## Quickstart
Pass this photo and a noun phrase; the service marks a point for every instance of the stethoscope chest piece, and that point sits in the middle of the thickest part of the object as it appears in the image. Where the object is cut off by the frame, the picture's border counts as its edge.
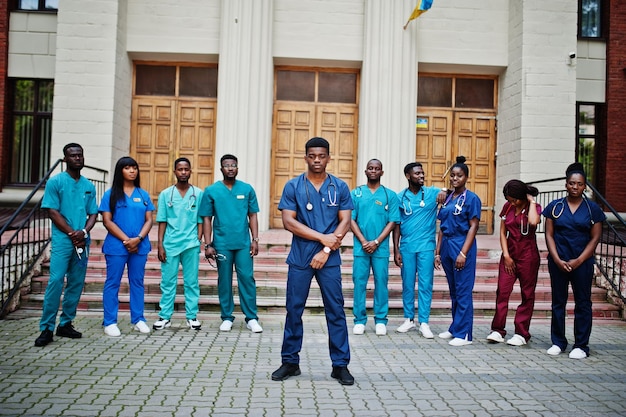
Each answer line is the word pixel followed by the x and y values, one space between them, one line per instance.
pixel 309 206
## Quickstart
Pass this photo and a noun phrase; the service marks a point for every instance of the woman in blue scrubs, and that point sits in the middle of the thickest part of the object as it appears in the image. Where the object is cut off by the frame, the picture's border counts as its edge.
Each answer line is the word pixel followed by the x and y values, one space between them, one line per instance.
pixel 127 215
pixel 456 252
pixel 573 230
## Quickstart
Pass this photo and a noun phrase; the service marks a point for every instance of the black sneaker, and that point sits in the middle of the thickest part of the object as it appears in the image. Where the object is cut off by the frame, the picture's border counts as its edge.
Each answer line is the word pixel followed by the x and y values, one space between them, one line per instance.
pixel 285 371
pixel 44 338
pixel 341 374
pixel 67 330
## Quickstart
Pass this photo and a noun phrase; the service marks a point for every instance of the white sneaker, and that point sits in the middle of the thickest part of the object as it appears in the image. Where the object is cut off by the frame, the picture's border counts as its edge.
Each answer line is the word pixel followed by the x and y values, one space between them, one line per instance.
pixel 142 327
pixel 554 350
pixel 381 329
pixel 161 324
pixel 577 353
pixel 226 326
pixel 112 330
pixel 358 329
pixel 457 341
pixel 406 326
pixel 495 337
pixel 445 335
pixel 194 324
pixel 425 331
pixel 254 326
pixel 516 340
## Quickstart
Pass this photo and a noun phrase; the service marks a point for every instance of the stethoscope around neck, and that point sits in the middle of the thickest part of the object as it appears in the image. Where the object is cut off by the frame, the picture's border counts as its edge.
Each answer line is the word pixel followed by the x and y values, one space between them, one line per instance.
pixel 332 201
pixel 409 211
pixel 191 204
pixel 358 193
pixel 561 202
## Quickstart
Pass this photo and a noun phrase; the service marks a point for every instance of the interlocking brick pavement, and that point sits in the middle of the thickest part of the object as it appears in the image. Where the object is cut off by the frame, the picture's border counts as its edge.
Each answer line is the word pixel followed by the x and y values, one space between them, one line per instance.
pixel 181 372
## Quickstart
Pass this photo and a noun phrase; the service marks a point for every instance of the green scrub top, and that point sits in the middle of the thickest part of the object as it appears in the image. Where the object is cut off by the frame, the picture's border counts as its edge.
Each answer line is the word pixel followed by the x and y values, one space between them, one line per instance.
pixel 229 209
pixel 74 199
pixel 182 218
pixel 372 212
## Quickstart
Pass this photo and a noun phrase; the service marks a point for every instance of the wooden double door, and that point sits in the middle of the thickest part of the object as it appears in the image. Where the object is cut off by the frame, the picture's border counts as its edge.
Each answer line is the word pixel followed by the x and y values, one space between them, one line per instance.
pixel 294 124
pixel 442 135
pixel 163 129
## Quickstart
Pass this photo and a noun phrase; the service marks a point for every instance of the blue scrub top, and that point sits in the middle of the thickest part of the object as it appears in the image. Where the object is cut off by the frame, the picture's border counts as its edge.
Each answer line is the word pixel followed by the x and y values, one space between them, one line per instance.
pixel 456 214
pixel 572 231
pixel 130 216
pixel 418 224
pixel 74 199
pixel 372 212
pixel 182 218
pixel 333 196
pixel 229 209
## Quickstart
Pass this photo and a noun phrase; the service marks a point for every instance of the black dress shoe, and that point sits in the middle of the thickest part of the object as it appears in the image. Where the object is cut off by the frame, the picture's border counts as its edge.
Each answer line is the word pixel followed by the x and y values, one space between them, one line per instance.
pixel 285 371
pixel 67 330
pixel 44 338
pixel 341 374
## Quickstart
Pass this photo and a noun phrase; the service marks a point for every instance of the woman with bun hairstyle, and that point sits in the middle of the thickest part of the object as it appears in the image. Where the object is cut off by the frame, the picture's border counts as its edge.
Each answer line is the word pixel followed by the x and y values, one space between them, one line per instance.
pixel 456 252
pixel 573 230
pixel 519 261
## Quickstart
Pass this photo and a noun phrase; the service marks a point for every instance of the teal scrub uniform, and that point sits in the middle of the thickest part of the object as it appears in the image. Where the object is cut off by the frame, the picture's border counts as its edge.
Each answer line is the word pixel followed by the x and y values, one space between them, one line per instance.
pixel 372 212
pixel 181 246
pixel 75 201
pixel 229 209
pixel 418 229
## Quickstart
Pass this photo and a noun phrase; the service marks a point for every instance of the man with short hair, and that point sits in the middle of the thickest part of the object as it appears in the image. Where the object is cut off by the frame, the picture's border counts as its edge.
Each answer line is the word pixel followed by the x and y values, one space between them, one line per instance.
pixel 180 234
pixel 229 209
pixel 71 202
pixel 374 216
pixel 316 209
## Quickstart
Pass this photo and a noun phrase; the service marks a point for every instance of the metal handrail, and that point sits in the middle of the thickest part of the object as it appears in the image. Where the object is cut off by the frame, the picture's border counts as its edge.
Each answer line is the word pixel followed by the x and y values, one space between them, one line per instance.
pixel 23 250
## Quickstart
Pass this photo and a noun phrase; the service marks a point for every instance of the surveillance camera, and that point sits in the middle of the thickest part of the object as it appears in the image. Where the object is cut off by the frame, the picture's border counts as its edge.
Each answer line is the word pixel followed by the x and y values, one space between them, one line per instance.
pixel 572 55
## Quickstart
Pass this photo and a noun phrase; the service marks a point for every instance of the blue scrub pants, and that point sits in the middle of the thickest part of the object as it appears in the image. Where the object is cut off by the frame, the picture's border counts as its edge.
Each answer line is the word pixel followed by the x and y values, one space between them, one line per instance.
pixel 190 260
pixel 421 264
pixel 298 286
pixel 115 269
pixel 63 262
pixel 360 276
pixel 460 284
pixel 246 285
pixel 581 279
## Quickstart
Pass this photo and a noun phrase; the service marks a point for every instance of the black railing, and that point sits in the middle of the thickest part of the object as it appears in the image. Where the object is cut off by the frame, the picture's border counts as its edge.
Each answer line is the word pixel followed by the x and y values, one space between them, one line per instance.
pixel 25 236
pixel 611 251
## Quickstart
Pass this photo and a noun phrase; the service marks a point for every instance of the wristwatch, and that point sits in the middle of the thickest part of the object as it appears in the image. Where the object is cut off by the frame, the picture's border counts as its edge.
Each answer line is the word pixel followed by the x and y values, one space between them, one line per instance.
pixel 140 237
pixel 376 242
pixel 85 233
pixel 255 239
pixel 326 250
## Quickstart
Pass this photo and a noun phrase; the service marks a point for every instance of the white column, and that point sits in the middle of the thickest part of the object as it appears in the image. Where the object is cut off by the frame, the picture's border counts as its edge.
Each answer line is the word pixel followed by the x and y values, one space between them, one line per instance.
pixel 92 81
pixel 388 99
pixel 245 94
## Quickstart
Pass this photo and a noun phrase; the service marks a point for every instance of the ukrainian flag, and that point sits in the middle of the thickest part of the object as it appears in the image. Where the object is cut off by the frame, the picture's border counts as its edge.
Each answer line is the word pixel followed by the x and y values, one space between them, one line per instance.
pixel 422 6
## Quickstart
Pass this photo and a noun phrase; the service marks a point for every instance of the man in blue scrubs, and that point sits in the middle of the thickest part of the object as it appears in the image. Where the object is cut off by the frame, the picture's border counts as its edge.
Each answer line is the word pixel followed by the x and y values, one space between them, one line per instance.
pixel 179 244
pixel 316 208
pixel 414 241
pixel 374 216
pixel 229 209
pixel 71 202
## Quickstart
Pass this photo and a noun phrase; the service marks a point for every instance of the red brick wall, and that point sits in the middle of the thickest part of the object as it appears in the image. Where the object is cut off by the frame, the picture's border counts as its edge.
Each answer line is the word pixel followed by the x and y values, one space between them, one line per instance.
pixel 4 62
pixel 615 191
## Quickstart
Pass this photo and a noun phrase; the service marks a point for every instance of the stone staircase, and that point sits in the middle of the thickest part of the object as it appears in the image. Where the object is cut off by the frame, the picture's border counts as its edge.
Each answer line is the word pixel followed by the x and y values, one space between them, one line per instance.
pixel 271 272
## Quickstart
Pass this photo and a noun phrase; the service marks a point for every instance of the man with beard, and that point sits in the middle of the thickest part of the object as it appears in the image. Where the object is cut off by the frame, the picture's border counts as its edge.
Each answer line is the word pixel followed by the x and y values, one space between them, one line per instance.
pixel 414 240
pixel 229 209
pixel 178 244
pixel 71 202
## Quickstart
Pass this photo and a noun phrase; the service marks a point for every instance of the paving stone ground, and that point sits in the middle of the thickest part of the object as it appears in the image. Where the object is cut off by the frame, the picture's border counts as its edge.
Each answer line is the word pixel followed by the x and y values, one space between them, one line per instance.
pixel 181 372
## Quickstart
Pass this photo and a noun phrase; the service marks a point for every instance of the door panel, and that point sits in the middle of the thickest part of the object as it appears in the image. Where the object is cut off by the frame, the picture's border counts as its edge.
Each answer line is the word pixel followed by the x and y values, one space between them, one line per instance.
pixel 165 129
pixel 433 143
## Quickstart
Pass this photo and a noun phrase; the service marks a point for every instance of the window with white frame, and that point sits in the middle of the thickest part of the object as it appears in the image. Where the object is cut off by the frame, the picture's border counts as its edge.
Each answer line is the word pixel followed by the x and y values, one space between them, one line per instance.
pixel 587 138
pixel 38 5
